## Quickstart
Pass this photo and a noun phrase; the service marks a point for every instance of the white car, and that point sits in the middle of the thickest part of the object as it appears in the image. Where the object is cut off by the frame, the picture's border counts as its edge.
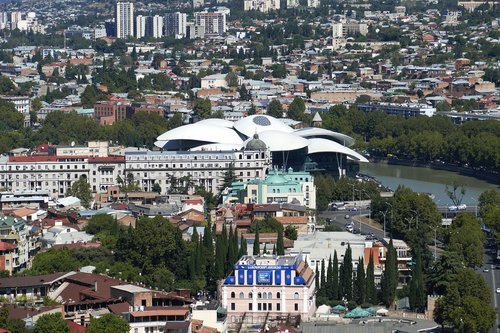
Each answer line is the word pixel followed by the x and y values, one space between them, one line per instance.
pixel 452 208
pixel 498 290
pixel 486 270
pixel 462 207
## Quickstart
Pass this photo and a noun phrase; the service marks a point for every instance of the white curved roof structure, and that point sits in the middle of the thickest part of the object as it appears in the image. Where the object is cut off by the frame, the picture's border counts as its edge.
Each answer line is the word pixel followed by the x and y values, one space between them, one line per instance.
pixel 218 146
pixel 202 133
pixel 319 145
pixel 260 123
pixel 316 132
pixel 281 141
pixel 216 122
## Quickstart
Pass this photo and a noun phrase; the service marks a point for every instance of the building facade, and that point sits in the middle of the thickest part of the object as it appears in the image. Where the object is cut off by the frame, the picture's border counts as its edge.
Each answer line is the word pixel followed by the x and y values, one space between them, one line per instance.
pixel 175 24
pixel 214 22
pixel 124 18
pixel 269 287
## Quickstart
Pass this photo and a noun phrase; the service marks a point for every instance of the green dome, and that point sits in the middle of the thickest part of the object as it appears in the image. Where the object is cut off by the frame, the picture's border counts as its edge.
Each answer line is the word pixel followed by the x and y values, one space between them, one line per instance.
pixel 256 143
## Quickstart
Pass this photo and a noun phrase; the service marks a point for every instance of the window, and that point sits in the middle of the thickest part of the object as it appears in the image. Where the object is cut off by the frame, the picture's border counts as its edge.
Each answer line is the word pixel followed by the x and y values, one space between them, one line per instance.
pixel 270 306
pixel 233 306
pixel 250 295
pixel 242 295
pixel 250 306
pixel 259 306
pixel 296 296
pixel 269 295
pixel 278 295
pixel 233 295
pixel 296 306
pixel 259 295
pixel 264 295
pixel 278 307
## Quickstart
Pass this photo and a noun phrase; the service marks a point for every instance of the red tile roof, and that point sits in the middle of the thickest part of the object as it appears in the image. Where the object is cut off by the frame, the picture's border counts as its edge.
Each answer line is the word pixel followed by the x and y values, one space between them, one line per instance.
pixel 74 327
pixel 7 246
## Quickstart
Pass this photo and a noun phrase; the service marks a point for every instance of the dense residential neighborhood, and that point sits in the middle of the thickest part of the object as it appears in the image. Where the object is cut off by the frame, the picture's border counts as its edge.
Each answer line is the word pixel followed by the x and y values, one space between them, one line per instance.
pixel 249 166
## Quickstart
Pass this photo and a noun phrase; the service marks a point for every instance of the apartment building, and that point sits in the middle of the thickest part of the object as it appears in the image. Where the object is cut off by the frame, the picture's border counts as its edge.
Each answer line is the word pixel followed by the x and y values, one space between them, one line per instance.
pixel 214 22
pixel 124 18
pixel 261 5
pixel 175 24
pixel 108 112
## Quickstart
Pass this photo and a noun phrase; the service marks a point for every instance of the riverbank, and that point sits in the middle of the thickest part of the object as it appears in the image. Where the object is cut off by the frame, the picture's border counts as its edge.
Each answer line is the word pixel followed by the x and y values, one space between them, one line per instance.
pixel 488 176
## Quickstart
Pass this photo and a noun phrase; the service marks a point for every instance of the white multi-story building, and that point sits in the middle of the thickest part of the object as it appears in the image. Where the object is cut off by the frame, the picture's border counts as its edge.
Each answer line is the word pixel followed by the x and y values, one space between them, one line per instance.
pixel 204 168
pixel 175 24
pixel 124 18
pixel 292 3
pixel 14 18
pixel 140 26
pixel 261 5
pixel 157 29
pixel 214 22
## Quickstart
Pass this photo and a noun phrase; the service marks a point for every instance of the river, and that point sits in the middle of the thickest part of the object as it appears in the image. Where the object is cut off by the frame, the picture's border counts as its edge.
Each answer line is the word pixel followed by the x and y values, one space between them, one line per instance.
pixel 427 180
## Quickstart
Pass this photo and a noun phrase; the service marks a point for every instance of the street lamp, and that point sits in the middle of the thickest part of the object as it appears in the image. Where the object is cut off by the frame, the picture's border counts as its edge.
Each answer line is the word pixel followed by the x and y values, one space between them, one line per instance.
pixel 353 194
pixel 416 214
pixel 392 215
pixel 409 222
pixel 476 204
pixel 384 213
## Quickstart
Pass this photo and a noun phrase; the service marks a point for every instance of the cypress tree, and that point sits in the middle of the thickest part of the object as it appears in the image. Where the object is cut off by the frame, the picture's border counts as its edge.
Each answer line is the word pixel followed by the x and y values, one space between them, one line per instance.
pixel 220 256
pixel 417 286
pixel 208 241
pixel 348 273
pixel 323 275
pixel 342 283
pixel 231 255
pixel 316 278
pixel 371 291
pixel 360 282
pixel 256 243
pixel 280 247
pixel 274 249
pixel 265 248
pixel 335 277
pixel 329 280
pixel 243 247
pixel 390 277
pixel 234 243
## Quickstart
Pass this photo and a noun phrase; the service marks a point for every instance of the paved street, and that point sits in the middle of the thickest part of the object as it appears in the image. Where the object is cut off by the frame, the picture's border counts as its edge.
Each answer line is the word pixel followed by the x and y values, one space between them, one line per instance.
pixel 492 277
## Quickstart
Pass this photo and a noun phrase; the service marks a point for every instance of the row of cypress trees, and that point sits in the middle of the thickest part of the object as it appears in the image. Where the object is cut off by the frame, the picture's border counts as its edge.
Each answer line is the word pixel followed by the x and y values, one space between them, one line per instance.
pixel 279 249
pixel 336 282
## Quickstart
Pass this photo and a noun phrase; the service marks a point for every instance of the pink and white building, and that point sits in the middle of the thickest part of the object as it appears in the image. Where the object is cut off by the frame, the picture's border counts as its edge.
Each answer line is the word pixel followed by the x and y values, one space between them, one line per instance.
pixel 269 286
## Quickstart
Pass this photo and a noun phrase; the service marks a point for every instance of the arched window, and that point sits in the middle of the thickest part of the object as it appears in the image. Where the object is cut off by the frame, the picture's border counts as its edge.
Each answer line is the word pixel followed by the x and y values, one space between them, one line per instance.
pixel 264 295
pixel 233 295
pixel 259 295
pixel 269 295
pixel 296 296
pixel 250 295
pixel 278 295
pixel 242 295
pixel 307 188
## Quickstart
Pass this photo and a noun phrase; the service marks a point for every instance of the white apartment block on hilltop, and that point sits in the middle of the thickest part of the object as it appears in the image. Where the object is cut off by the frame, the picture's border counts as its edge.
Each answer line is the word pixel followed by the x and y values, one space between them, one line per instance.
pixel 214 22
pixel 175 24
pixel 124 18
pixel 140 26
pixel 261 5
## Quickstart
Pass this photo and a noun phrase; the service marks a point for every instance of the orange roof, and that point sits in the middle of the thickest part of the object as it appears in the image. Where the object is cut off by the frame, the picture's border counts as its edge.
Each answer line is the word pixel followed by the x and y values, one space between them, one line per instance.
pixel 23 212
pixel 7 246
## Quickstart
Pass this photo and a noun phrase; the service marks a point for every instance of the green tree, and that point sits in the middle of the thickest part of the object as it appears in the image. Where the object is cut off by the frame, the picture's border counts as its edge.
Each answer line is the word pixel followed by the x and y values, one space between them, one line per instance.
pixel 347 274
pixel 202 108
pixel 244 94
pixel 156 188
pixel 280 247
pixel 108 323
pixel 291 232
pixel 81 190
pixel 232 79
pixel 390 276
pixel 6 85
pixel 50 323
pixel 456 192
pixel 275 109
pixel 91 95
pixel 371 291
pixel 296 109
pixel 417 295
pixel 360 283
pixel 10 119
pixel 52 261
pixel 229 177
pixel 256 243
pixel 466 239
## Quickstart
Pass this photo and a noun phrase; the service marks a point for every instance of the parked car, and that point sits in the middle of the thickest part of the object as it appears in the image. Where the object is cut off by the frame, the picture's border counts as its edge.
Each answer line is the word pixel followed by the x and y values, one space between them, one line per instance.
pixel 462 207
pixel 498 290
pixel 452 208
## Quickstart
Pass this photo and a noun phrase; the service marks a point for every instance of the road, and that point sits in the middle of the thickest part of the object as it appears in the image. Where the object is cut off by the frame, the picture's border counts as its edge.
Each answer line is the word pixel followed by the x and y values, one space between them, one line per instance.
pixel 492 277
pixel 339 219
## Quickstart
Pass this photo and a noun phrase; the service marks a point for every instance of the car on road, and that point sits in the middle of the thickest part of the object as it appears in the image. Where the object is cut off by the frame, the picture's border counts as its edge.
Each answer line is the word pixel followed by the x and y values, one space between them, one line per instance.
pixel 354 209
pixel 452 208
pixel 347 217
pixel 486 270
pixel 349 227
pixel 498 290
pixel 462 207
